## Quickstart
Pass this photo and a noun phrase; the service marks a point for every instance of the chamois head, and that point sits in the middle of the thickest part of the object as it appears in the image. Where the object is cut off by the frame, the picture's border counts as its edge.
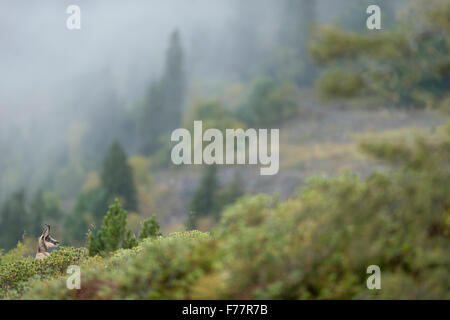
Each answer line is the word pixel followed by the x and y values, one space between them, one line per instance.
pixel 45 242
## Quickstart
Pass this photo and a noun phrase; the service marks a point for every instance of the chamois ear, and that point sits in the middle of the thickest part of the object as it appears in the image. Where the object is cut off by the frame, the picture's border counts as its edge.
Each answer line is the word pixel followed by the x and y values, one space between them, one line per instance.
pixel 46 231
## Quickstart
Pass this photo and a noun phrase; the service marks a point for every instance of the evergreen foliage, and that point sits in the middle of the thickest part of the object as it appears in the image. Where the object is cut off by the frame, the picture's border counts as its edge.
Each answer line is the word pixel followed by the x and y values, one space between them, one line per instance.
pixel 174 81
pixel 117 177
pixel 210 198
pixel 113 233
pixel 162 109
pixel 13 219
pixel 150 228
pixel 203 200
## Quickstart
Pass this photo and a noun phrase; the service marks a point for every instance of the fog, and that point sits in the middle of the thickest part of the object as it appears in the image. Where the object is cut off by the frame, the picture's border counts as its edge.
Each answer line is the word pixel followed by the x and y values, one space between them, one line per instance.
pixel 49 74
pixel 53 80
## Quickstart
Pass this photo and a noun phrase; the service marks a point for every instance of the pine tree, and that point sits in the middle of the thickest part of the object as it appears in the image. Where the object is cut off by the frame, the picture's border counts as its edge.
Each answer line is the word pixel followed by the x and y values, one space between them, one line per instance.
pixel 113 233
pixel 174 81
pixel 162 109
pixel 150 125
pixel 117 177
pixel 229 194
pixel 191 222
pixel 150 228
pixel 203 201
pixel 13 220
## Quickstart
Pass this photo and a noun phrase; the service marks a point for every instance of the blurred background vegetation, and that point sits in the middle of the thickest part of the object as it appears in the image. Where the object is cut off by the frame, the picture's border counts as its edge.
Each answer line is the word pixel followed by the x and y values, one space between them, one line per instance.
pixel 364 148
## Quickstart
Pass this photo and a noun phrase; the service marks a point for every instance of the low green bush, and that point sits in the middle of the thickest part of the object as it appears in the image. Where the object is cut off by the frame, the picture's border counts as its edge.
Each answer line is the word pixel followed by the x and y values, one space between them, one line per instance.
pixel 159 268
pixel 14 276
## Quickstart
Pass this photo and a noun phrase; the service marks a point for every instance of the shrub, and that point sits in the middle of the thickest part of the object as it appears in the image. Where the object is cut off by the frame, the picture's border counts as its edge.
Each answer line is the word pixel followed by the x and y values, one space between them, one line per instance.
pixel 14 276
pixel 162 268
pixel 213 115
pixel 337 83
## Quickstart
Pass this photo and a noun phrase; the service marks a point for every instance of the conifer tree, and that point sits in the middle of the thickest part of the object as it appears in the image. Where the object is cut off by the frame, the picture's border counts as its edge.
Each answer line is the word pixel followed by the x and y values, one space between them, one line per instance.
pixel 191 222
pixel 113 233
pixel 117 176
pixel 162 109
pixel 229 194
pixel 150 125
pixel 13 220
pixel 150 228
pixel 174 83
pixel 203 201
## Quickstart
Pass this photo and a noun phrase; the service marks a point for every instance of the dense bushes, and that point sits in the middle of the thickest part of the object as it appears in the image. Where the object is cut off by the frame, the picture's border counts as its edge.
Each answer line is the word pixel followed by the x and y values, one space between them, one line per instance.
pixel 162 268
pixel 14 275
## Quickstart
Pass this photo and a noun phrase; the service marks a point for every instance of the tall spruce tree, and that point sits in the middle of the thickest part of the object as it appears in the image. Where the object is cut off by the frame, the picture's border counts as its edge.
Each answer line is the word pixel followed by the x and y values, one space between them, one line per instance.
pixel 191 221
pixel 117 176
pixel 229 194
pixel 13 220
pixel 149 123
pixel 162 109
pixel 174 82
pixel 203 201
